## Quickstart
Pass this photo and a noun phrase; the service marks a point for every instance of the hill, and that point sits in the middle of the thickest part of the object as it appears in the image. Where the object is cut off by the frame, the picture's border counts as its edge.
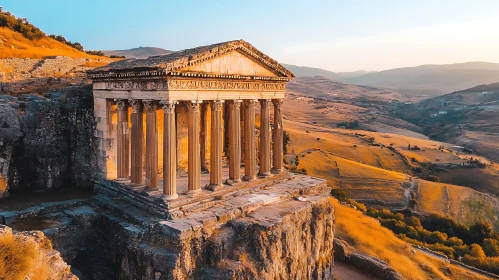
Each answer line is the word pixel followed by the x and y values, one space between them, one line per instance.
pixel 432 79
pixel 467 118
pixel 140 52
pixel 304 71
pixel 15 45
pixel 379 242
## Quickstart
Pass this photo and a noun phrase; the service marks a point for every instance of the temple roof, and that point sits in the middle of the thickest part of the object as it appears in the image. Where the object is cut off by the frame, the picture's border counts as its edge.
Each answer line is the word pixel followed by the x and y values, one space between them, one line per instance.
pixel 174 61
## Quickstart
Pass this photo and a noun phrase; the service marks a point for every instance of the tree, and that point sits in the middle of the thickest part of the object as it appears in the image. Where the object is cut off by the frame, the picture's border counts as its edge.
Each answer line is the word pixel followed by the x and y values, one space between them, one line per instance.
pixel 477 251
pixel 285 141
pixel 480 231
pixel 491 247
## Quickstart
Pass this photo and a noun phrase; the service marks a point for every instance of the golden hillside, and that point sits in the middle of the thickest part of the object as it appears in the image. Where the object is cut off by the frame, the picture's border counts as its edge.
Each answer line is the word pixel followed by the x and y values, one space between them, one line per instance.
pixel 366 235
pixel 15 45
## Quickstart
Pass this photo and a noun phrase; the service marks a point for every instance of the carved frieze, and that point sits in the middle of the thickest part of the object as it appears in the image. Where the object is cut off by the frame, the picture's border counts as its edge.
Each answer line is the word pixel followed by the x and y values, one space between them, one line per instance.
pixel 196 84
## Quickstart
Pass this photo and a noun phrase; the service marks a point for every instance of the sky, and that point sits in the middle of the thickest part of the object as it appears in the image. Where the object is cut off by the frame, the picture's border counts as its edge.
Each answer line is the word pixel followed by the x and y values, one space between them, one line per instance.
pixel 333 35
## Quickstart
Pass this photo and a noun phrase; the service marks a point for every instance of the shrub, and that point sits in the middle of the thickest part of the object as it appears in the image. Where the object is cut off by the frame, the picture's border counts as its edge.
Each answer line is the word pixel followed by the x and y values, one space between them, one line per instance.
pixel 340 194
pixel 99 53
pixel 491 247
pixel 285 141
pixel 20 25
pixel 20 257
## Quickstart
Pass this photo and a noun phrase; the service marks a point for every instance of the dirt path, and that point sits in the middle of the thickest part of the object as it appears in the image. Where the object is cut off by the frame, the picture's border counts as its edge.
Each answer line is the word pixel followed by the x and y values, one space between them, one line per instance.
pixel 407 192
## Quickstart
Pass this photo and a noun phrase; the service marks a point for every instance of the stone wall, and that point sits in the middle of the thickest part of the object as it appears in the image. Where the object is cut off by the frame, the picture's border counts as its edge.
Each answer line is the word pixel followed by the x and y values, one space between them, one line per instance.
pixel 47 140
pixel 16 69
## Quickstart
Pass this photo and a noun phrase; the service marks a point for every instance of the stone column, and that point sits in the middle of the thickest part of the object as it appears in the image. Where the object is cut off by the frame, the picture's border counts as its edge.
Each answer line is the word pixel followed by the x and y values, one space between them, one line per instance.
pixel 122 143
pixel 169 151
pixel 204 111
pixel 137 142
pixel 242 116
pixel 249 140
pixel 216 148
pixel 277 137
pixel 264 138
pixel 234 141
pixel 194 163
pixel 151 145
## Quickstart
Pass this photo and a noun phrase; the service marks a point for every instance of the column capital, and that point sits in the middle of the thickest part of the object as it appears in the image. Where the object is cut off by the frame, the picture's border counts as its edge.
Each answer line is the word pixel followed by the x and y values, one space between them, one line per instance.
pixel 121 104
pixel 235 104
pixel 168 106
pixel 250 102
pixel 216 105
pixel 136 105
pixel 265 103
pixel 193 105
pixel 277 102
pixel 149 105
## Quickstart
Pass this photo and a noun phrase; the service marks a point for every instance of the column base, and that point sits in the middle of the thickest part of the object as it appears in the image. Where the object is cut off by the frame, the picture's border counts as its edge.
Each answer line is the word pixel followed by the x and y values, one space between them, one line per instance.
pixel 249 178
pixel 276 171
pixel 232 182
pixel 151 189
pixel 214 187
pixel 122 180
pixel 169 197
pixel 193 192
pixel 264 175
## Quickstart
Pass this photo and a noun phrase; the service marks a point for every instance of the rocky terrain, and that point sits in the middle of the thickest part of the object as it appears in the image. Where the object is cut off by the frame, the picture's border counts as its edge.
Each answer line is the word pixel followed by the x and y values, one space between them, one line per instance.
pixel 253 236
pixel 46 140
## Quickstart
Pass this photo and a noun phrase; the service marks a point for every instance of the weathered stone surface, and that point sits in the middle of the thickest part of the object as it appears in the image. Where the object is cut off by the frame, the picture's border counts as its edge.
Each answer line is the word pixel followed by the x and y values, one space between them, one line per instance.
pixel 374 266
pixel 10 134
pixel 48 142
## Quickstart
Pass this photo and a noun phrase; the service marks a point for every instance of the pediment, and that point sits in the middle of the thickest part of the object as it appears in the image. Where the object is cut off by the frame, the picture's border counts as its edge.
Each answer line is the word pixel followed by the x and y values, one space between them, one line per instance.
pixel 231 63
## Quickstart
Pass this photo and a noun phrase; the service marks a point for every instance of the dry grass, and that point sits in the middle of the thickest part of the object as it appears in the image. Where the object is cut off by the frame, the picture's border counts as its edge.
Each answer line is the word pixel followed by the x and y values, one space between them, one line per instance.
pixel 15 45
pixel 20 257
pixel 463 204
pixel 94 63
pixel 343 145
pixel 366 235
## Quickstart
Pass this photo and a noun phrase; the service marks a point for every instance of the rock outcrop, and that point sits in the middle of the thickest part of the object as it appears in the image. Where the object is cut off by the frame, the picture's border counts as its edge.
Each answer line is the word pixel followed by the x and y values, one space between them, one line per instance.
pixel 371 265
pixel 46 141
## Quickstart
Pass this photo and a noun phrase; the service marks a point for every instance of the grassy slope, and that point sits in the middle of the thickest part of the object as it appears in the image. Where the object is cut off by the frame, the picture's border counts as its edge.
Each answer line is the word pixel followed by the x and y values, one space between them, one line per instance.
pixel 369 172
pixel 366 235
pixel 14 45
pixel 460 203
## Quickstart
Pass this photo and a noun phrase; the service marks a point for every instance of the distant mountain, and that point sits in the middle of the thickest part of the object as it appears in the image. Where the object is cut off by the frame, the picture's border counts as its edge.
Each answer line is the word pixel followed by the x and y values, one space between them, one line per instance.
pixel 304 71
pixel 432 79
pixel 140 52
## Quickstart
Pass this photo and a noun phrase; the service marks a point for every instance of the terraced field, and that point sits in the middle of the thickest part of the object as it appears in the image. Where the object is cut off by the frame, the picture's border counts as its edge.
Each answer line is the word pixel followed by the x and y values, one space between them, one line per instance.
pixel 463 204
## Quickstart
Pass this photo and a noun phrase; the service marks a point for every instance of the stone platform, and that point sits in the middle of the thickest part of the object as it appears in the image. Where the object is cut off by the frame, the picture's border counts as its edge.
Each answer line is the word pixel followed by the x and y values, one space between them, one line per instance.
pixel 228 201
pixel 280 227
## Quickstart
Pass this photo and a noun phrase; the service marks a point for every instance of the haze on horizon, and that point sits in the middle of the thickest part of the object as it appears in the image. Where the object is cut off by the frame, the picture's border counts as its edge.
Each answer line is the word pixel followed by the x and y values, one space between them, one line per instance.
pixel 333 35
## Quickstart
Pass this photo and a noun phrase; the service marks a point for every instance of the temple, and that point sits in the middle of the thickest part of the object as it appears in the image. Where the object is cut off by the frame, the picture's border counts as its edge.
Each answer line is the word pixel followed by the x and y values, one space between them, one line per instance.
pixel 191 113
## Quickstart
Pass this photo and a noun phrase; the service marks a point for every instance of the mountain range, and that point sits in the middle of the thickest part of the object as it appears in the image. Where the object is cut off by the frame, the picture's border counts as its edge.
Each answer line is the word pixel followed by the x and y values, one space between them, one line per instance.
pixel 432 80
pixel 140 52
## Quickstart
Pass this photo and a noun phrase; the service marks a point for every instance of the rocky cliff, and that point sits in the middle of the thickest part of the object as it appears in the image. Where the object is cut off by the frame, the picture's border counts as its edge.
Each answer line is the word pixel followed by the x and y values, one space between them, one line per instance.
pixel 46 140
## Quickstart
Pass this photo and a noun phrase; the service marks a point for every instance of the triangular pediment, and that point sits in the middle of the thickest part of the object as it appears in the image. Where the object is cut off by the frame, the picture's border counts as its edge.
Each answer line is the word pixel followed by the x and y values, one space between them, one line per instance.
pixel 227 58
pixel 231 63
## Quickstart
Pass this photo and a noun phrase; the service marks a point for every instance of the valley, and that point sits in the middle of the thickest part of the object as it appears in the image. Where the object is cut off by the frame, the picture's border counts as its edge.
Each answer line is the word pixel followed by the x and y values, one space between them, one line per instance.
pixel 348 135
